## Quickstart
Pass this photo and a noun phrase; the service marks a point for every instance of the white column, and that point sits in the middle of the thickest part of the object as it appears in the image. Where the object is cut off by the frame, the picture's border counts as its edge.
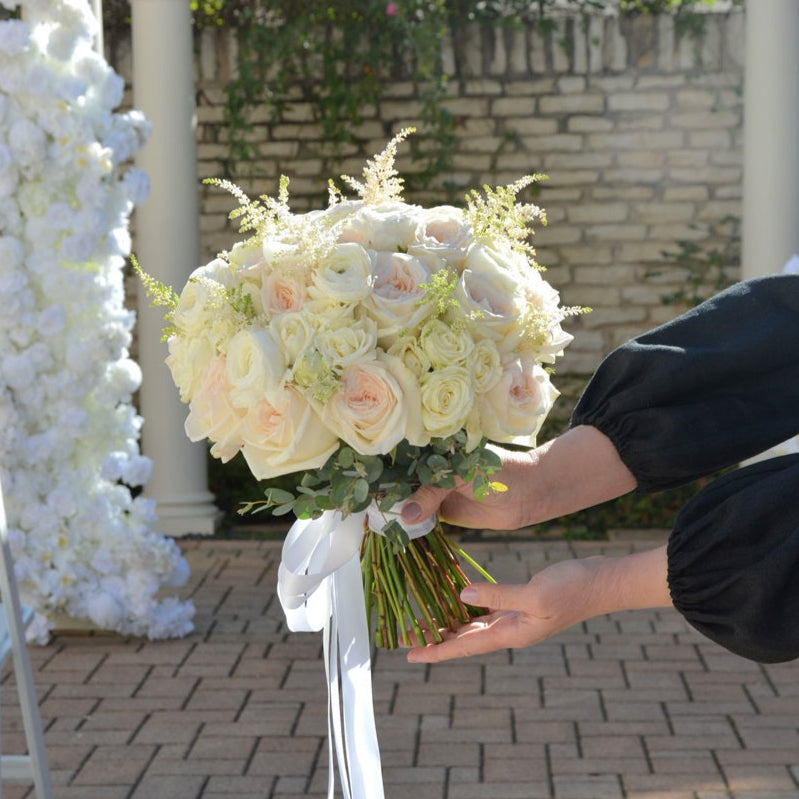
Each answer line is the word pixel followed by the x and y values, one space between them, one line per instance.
pixel 770 228
pixel 167 247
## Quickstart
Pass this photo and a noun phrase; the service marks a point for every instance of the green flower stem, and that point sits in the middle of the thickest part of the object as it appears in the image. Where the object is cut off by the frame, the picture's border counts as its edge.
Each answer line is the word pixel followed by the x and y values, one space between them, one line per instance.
pixel 381 635
pixel 395 594
pixel 432 626
pixel 430 579
pixel 403 608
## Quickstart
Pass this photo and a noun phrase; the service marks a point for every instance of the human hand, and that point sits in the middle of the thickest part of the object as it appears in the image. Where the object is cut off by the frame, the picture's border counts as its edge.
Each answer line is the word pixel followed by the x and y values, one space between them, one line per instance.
pixel 521 615
pixel 556 598
pixel 574 471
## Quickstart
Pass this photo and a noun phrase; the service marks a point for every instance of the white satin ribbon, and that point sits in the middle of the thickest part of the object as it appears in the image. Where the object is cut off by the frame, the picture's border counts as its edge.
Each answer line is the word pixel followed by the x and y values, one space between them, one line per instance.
pixel 320 588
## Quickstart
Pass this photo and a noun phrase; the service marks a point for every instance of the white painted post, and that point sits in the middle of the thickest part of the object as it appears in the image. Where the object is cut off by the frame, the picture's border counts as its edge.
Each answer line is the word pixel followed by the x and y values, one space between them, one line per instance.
pixel 770 226
pixel 167 247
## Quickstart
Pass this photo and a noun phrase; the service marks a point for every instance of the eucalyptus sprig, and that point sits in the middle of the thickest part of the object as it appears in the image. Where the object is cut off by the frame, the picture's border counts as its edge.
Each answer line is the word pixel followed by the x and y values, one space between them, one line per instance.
pixel 349 481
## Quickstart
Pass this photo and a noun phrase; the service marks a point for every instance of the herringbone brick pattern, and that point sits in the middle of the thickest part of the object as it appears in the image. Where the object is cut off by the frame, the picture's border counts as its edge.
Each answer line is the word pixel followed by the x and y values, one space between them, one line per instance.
pixel 631 706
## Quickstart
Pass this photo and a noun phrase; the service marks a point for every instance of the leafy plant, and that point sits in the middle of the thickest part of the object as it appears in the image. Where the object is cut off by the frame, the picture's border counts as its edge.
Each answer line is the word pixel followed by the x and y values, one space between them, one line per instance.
pixel 708 270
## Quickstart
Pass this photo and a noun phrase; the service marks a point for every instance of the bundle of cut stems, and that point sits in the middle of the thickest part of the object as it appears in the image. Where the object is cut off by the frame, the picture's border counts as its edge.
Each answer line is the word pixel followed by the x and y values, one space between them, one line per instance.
pixel 414 590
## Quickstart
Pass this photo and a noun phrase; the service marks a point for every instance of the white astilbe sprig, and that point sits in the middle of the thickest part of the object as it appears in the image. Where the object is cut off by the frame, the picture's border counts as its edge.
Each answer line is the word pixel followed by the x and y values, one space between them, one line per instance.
pixel 381 181
pixel 69 451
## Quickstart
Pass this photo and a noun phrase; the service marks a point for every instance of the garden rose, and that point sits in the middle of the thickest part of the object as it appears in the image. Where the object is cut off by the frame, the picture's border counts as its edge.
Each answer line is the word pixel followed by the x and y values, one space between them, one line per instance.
pixel 254 367
pixel 371 412
pixel 284 437
pixel 514 409
pixel 389 226
pixel 345 275
pixel 212 414
pixel 394 301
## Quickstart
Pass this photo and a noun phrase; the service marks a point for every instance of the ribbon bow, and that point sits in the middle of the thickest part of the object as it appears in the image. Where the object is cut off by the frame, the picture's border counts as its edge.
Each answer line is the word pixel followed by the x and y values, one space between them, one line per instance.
pixel 320 588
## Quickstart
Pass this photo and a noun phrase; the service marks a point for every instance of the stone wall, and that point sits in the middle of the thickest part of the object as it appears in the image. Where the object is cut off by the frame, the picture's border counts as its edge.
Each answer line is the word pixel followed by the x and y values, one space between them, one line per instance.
pixel 638 128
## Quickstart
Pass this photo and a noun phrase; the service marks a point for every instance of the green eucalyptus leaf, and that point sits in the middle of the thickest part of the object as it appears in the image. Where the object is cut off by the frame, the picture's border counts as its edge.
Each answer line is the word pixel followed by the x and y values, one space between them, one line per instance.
pixel 278 496
pixel 395 533
pixel 360 491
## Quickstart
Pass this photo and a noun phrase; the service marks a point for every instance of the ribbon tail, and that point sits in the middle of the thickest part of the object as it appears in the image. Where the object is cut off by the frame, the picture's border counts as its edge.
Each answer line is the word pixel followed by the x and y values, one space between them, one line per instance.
pixel 362 754
pixel 335 733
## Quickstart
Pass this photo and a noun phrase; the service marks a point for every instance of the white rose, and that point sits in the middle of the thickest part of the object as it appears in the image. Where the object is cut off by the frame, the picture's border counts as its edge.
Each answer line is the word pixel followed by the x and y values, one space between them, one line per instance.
pixel 284 437
pixel 376 407
pixel 254 367
pixel 348 344
pixel 514 409
pixel 445 345
pixel 541 318
pixel 294 332
pixel 188 361
pixel 389 226
pixel 394 301
pixel 447 399
pixel 345 275
pixel 201 297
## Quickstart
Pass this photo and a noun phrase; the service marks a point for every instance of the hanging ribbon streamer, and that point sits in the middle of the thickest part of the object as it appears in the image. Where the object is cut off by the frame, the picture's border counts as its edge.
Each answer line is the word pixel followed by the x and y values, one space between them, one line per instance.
pixel 321 589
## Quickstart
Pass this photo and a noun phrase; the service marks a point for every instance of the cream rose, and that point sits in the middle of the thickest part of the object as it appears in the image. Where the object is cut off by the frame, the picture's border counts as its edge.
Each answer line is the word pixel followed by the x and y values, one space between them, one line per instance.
pixel 254 367
pixel 447 399
pixel 348 344
pixel 345 275
pixel 485 366
pixel 514 409
pixel 444 344
pixel 490 292
pixel 410 352
pixel 212 415
pixel 282 291
pixel 293 332
pixel 284 437
pixel 445 233
pixel 376 407
pixel 394 301
pixel 188 361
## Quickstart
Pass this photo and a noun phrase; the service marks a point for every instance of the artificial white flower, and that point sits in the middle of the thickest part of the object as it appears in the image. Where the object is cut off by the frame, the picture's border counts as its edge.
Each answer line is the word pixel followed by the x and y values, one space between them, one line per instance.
pixel 66 379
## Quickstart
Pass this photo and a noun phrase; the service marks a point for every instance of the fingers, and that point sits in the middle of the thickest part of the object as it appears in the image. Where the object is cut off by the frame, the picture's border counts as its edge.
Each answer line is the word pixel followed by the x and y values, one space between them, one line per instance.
pixel 424 502
pixel 498 597
pixel 492 632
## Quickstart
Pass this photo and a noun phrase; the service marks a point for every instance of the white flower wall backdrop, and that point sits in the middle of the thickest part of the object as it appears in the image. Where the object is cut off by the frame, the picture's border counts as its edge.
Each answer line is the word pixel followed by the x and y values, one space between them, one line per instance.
pixel 84 546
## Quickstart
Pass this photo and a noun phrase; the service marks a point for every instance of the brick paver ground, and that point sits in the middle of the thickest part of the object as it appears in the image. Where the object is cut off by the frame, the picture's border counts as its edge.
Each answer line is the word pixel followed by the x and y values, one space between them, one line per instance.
pixel 630 706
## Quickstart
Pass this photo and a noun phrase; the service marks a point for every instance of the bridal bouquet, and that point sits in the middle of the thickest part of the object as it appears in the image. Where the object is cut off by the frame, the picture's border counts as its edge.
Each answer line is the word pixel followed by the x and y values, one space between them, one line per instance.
pixel 368 348
pixel 373 346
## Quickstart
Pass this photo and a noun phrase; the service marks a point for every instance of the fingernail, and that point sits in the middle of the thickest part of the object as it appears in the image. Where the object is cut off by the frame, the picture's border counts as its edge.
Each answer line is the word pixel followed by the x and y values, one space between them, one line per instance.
pixel 469 595
pixel 412 512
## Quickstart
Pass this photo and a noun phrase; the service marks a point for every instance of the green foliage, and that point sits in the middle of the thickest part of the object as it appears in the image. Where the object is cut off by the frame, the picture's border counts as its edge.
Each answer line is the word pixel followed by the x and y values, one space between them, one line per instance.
pixel 708 269
pixel 350 481
pixel 160 296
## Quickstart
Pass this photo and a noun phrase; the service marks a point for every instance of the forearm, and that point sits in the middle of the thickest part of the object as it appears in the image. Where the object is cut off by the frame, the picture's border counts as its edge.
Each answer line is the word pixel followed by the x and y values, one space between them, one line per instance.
pixel 577 470
pixel 638 580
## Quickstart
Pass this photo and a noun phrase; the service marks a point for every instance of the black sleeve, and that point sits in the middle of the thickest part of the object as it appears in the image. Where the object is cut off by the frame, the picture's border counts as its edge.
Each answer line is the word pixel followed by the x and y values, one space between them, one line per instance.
pixel 711 388
pixel 732 560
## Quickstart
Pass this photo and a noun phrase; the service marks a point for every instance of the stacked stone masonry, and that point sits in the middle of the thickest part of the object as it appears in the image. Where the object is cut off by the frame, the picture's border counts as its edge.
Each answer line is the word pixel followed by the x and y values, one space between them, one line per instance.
pixel 637 128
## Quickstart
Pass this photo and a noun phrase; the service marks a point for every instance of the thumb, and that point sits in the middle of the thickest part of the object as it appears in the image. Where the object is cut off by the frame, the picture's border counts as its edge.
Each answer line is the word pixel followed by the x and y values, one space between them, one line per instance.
pixel 495 597
pixel 424 502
